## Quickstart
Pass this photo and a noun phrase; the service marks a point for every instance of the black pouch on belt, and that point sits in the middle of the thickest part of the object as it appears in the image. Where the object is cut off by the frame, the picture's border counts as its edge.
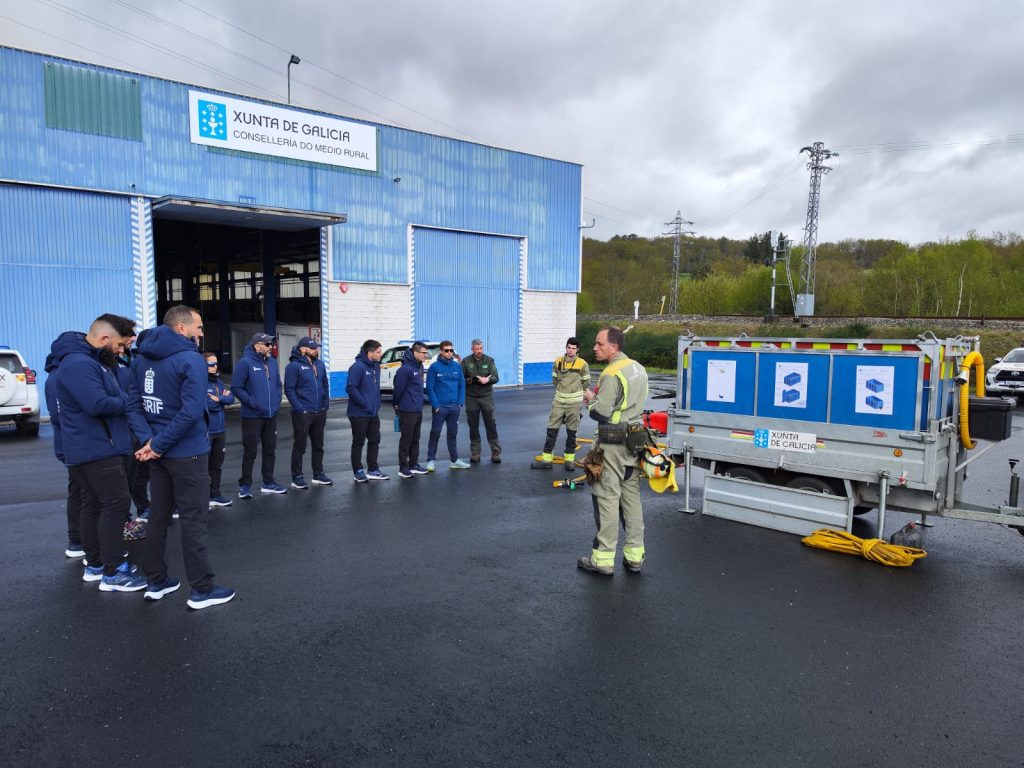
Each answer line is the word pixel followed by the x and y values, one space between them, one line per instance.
pixel 612 434
pixel 637 438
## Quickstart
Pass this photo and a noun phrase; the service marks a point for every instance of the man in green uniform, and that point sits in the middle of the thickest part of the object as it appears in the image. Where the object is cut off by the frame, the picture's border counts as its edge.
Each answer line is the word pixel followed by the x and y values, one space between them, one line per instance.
pixel 571 376
pixel 618 402
pixel 481 376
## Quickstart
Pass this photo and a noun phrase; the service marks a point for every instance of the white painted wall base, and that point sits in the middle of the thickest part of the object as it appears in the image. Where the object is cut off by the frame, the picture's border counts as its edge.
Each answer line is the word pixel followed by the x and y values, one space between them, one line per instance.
pixel 365 311
pixel 549 318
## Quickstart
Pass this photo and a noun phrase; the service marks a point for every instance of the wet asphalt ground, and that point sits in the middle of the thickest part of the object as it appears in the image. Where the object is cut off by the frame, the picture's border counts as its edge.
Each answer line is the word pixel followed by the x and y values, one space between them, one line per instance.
pixel 441 621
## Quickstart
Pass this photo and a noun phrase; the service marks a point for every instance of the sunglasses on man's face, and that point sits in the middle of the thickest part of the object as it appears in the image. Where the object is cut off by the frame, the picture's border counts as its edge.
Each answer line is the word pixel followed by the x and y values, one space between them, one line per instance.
pixel 211 364
pixel 449 349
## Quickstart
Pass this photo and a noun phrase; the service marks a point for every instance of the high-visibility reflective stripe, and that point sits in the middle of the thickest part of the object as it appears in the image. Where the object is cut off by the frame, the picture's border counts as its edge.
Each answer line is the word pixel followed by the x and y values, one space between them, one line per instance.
pixel 548 457
pixel 569 457
pixel 603 559
pixel 634 554
pixel 615 369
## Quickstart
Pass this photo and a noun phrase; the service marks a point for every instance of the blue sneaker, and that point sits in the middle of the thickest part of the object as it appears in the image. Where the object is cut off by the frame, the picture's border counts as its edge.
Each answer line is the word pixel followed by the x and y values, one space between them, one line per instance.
pixel 273 488
pixel 404 473
pixel 216 596
pixel 319 478
pixel 95 572
pixel 360 476
pixel 143 515
pixel 157 589
pixel 418 469
pixel 298 481
pixel 376 474
pixel 74 550
pixel 244 491
pixel 127 579
pixel 220 501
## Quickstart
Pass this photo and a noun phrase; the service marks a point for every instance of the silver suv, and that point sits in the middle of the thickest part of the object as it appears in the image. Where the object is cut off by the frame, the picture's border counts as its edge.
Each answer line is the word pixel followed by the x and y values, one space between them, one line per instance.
pixel 19 393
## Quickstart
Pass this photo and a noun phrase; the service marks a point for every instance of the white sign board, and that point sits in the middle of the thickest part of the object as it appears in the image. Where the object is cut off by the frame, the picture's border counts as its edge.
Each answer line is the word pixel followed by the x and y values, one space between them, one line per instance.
pixel 246 126
pixel 721 381
pixel 874 389
pixel 791 385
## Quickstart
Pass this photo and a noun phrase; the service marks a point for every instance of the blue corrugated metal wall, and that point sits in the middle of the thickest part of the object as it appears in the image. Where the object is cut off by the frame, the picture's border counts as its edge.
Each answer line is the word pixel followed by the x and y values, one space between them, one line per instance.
pixel 466 286
pixel 65 257
pixel 443 182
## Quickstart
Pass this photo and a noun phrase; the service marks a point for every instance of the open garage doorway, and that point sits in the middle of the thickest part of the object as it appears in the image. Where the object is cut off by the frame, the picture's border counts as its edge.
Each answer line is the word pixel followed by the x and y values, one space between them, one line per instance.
pixel 247 271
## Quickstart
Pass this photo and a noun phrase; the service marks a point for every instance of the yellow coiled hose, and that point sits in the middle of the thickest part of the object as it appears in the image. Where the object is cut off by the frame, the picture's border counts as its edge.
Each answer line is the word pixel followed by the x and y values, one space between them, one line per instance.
pixel 870 549
pixel 977 361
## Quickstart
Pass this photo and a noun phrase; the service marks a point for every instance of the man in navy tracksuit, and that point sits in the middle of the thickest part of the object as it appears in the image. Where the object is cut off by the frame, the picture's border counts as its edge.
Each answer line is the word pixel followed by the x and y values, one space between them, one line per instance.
pixel 363 390
pixel 138 471
pixel 217 396
pixel 446 388
pixel 63 345
pixel 309 392
pixel 170 377
pixel 256 384
pixel 407 398
pixel 94 413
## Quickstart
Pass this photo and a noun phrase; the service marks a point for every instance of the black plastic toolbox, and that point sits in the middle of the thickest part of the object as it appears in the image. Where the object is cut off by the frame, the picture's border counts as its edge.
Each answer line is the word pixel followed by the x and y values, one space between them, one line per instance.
pixel 990 417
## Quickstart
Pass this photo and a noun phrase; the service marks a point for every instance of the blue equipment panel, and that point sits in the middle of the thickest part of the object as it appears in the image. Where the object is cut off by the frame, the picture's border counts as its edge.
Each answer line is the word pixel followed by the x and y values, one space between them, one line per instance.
pixel 723 381
pixel 793 386
pixel 875 391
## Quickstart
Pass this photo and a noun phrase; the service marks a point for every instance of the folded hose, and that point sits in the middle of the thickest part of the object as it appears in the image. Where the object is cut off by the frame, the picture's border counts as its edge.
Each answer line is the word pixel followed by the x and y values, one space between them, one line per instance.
pixel 870 549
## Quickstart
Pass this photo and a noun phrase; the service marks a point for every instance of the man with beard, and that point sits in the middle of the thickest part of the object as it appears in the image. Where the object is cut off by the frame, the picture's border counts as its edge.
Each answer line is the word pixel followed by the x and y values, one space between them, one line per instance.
pixel 94 416
pixel 407 398
pixel 481 375
pixel 257 386
pixel 171 378
pixel 363 389
pixel 308 390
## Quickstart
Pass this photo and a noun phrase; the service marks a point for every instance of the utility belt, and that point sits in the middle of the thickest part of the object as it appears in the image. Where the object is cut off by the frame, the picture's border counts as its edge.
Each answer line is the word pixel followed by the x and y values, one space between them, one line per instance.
pixel 634 436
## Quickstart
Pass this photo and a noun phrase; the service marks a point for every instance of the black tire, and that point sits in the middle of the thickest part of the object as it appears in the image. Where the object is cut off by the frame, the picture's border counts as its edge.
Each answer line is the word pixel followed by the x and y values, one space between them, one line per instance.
pixel 741 472
pixel 863 509
pixel 812 483
pixel 28 428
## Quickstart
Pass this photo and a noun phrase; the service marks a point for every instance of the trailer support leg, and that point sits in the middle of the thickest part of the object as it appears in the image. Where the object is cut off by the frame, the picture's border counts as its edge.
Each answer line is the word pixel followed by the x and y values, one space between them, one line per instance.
pixel 883 492
pixel 687 465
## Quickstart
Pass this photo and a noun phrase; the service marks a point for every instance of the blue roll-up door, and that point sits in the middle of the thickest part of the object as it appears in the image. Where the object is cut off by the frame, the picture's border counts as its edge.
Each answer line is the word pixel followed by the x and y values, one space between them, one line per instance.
pixel 65 258
pixel 465 286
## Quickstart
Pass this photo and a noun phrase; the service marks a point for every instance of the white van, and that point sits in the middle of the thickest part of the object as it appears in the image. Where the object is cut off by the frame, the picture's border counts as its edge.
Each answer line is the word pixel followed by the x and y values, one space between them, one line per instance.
pixel 391 361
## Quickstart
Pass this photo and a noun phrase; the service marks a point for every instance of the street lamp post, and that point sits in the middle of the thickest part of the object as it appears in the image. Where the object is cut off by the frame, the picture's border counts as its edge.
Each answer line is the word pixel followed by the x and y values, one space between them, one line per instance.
pixel 293 60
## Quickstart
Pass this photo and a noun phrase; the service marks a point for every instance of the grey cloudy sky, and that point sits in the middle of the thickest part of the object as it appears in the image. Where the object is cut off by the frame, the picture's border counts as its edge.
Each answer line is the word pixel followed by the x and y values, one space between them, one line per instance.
pixel 698 107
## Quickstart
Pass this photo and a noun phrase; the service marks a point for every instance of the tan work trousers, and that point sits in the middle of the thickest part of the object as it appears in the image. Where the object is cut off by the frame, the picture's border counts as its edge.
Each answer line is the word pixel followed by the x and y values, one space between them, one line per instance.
pixel 616 499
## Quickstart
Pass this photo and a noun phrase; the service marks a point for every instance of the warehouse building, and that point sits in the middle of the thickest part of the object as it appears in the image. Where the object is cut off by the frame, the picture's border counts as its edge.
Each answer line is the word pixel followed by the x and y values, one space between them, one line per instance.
pixel 126 193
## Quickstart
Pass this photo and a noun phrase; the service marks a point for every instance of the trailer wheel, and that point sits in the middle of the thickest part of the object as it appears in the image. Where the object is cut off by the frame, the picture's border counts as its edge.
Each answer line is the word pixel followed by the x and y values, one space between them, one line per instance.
pixel 741 472
pixel 862 509
pixel 811 483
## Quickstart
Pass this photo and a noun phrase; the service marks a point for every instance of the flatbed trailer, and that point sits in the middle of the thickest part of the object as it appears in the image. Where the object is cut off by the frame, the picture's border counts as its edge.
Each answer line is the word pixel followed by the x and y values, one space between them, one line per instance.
pixel 801 434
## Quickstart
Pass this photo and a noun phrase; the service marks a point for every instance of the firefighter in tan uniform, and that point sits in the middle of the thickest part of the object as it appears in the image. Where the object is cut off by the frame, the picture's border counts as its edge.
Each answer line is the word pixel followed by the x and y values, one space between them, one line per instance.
pixel 619 402
pixel 571 376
